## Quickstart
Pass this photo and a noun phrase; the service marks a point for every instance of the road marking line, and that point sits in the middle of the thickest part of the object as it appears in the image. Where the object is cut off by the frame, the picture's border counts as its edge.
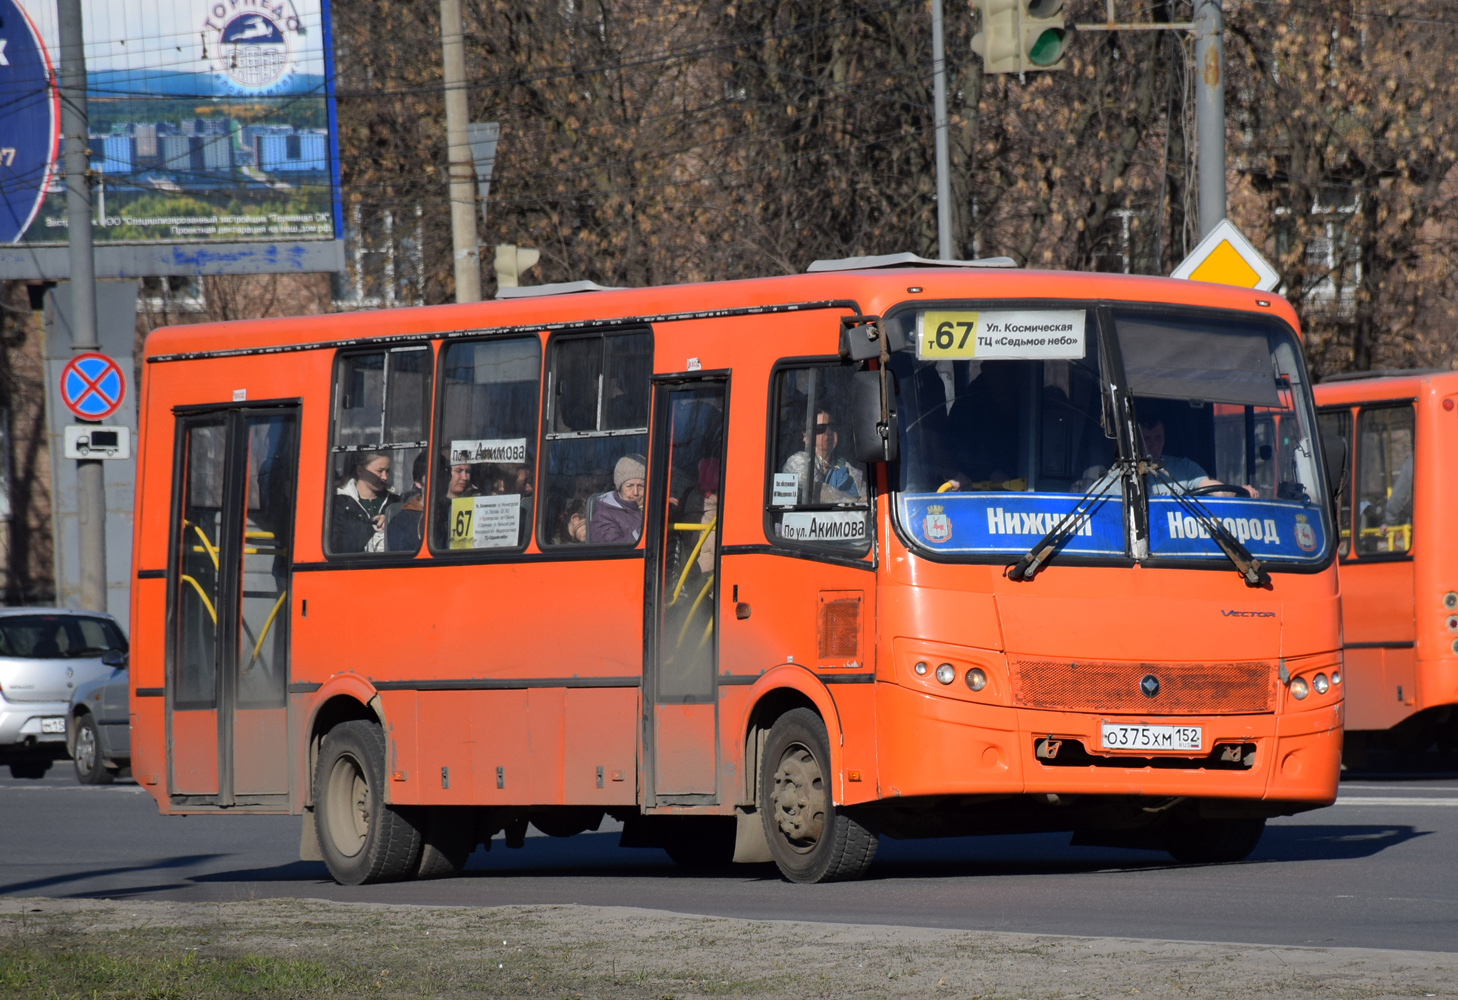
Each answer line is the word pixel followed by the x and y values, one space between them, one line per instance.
pixel 1393 800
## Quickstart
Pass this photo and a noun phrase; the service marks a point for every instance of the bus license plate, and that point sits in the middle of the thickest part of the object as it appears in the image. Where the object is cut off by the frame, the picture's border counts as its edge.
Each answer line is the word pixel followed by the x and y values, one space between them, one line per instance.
pixel 1122 737
pixel 53 725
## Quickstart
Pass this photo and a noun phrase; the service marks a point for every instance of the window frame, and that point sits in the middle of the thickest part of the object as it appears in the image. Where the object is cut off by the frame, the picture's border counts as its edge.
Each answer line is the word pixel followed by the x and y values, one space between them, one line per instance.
pixel 437 415
pixel 547 414
pixel 355 350
pixel 818 551
pixel 1354 470
pixel 1348 484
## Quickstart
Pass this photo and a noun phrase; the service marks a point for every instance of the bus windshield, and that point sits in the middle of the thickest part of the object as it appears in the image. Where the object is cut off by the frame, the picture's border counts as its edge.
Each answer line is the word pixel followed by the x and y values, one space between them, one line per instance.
pixel 1007 418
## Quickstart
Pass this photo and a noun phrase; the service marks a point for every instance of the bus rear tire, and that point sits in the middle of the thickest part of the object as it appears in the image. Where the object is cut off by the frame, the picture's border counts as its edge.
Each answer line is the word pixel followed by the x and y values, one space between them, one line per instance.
pixel 447 839
pixel 362 839
pixel 809 838
pixel 1212 841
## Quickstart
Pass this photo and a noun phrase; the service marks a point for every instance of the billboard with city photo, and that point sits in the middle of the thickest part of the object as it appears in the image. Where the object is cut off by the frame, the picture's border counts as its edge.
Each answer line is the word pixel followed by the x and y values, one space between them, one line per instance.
pixel 209 120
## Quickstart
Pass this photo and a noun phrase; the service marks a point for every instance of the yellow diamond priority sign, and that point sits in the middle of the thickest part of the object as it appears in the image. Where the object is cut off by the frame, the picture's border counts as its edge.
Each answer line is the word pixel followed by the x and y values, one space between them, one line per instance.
pixel 1226 257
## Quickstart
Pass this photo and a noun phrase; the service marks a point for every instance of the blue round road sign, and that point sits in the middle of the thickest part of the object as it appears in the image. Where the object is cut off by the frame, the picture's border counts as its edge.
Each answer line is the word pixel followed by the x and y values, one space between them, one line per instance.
pixel 32 121
pixel 92 386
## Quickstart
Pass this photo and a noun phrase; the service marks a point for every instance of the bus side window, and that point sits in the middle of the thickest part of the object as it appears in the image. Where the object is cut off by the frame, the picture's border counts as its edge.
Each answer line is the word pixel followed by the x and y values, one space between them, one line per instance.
pixel 1337 425
pixel 594 470
pixel 378 446
pixel 485 474
pixel 816 495
pixel 1384 480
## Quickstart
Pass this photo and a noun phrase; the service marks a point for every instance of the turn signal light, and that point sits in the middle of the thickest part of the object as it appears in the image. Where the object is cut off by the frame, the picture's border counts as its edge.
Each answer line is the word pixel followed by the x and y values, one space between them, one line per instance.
pixel 1319 682
pixel 1299 690
pixel 946 673
pixel 1450 600
pixel 1336 676
pixel 921 668
pixel 976 679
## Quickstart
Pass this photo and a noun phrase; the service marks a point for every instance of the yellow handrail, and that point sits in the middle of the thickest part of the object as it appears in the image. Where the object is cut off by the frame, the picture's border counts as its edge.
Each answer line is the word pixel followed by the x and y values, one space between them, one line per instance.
pixel 212 612
pixel 209 547
pixel 683 629
pixel 266 626
pixel 704 530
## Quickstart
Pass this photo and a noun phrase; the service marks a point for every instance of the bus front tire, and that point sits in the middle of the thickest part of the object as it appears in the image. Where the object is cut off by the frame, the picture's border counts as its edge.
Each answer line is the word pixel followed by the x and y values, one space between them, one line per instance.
pixel 1212 841
pixel 362 839
pixel 809 838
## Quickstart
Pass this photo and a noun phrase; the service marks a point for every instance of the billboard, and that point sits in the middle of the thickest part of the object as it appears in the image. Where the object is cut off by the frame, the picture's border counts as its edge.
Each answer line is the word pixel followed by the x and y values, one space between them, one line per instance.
pixel 211 122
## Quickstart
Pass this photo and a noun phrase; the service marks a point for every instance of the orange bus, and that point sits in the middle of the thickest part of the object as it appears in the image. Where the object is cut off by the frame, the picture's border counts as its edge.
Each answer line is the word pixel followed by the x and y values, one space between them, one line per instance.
pixel 763 569
pixel 1399 589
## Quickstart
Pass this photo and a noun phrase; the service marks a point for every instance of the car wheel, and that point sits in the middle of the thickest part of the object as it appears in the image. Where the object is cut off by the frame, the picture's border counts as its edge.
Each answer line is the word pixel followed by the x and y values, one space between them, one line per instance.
pixel 810 839
pixel 29 768
pixel 91 766
pixel 362 839
pixel 1212 841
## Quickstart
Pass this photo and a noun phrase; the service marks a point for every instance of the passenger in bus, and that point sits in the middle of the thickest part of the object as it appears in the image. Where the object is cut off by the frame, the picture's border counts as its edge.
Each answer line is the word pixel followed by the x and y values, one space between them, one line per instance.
pixel 406 520
pixel 617 515
pixel 840 482
pixel 360 501
pixel 461 484
pixel 572 524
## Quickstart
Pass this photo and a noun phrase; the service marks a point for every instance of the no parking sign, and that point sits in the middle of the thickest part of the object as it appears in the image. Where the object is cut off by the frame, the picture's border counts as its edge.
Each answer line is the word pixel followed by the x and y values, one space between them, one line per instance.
pixel 92 386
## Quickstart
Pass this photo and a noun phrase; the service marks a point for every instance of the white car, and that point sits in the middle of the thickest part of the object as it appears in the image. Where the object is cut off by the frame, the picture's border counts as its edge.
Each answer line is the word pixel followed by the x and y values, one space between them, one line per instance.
pixel 45 654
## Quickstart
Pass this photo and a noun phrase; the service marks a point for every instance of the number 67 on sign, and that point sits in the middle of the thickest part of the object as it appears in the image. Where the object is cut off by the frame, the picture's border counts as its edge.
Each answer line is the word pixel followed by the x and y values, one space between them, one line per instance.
pixel 947 334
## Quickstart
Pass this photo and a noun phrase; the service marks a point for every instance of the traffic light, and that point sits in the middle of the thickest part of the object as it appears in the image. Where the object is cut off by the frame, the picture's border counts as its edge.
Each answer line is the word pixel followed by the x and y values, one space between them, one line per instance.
pixel 1019 36
pixel 511 261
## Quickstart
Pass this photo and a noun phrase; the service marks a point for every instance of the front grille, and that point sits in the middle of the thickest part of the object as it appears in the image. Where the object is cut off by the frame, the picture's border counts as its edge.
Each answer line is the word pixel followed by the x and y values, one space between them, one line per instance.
pixel 1071 753
pixel 1232 688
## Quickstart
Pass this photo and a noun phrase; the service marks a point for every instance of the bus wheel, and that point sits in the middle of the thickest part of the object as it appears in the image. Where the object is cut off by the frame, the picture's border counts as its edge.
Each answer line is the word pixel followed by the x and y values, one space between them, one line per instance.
pixel 447 841
pixel 362 839
pixel 809 838
pixel 1211 841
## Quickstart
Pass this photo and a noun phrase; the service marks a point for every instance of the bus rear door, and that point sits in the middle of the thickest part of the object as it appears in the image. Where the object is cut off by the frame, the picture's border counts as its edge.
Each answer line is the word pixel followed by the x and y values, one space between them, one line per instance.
pixel 227 676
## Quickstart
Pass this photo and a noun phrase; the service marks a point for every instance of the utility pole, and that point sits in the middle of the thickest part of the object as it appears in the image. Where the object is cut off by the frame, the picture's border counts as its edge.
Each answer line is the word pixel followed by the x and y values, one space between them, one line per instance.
pixel 90 483
pixel 939 112
pixel 458 148
pixel 1210 112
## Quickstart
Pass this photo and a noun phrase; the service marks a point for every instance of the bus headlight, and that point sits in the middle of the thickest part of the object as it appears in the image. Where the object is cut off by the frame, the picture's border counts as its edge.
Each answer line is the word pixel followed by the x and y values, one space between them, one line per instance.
pixel 921 668
pixel 946 673
pixel 1336 676
pixel 1299 690
pixel 1319 682
pixel 976 679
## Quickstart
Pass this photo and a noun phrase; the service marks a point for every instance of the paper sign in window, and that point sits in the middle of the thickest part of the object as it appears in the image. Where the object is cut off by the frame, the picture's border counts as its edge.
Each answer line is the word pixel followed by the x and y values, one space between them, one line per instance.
pixel 505 451
pixel 824 526
pixel 485 522
pixel 786 490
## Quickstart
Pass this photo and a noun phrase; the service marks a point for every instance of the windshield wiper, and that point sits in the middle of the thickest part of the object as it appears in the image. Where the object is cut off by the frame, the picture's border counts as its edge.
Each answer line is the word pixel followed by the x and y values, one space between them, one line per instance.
pixel 1044 548
pixel 1247 565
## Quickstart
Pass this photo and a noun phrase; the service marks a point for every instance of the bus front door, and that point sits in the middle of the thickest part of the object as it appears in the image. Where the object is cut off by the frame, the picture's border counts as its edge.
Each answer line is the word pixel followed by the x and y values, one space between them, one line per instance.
pixel 680 721
pixel 228 629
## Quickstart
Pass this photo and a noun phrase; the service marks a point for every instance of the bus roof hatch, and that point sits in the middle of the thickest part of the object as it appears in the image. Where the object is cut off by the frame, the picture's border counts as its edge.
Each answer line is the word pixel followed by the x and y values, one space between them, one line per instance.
pixel 903 260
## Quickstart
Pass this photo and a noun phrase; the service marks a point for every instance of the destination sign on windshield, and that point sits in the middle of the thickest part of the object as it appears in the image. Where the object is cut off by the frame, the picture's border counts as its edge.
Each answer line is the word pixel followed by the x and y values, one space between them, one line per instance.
pixel 1001 334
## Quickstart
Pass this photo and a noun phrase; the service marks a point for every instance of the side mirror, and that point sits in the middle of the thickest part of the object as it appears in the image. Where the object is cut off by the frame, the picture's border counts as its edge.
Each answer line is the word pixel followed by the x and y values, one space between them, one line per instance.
pixel 1334 455
pixel 115 658
pixel 874 440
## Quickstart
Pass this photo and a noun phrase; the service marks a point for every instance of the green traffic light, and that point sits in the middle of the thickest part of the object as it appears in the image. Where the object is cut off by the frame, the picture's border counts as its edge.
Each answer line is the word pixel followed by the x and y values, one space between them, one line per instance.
pixel 1048 49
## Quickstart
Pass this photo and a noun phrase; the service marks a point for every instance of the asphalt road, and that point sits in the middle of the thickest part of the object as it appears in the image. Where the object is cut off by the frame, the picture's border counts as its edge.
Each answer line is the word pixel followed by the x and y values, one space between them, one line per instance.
pixel 1376 870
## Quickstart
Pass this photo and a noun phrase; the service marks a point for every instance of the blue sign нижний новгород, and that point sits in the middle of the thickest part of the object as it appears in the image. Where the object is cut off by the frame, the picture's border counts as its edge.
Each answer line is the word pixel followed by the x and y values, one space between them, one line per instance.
pixel 31 112
pixel 1010 523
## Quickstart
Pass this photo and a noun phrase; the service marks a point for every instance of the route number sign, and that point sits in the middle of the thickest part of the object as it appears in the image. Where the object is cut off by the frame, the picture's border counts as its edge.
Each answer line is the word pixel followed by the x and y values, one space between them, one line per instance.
pixel 92 386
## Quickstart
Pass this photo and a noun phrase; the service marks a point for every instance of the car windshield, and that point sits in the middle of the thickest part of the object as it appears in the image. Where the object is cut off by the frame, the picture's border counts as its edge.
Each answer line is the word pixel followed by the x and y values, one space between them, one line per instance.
pixel 1004 424
pixel 58 637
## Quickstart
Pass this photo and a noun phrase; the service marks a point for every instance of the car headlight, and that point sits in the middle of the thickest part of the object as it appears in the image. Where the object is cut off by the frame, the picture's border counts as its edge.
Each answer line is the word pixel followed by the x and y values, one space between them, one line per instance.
pixel 946 673
pixel 976 679
pixel 1320 683
pixel 1299 689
